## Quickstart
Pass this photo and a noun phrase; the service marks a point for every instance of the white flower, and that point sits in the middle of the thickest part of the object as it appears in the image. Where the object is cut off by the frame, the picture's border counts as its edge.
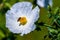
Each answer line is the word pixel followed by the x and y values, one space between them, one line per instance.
pixel 44 3
pixel 21 17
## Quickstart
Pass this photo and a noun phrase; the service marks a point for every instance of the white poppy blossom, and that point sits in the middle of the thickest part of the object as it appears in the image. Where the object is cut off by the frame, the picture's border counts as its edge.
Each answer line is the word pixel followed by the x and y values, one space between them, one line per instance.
pixel 21 17
pixel 44 3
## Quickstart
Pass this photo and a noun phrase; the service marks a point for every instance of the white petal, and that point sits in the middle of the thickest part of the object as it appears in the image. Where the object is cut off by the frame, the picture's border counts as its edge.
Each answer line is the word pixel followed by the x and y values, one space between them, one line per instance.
pixel 10 15
pixel 11 21
pixel 28 30
pixel 23 7
pixel 21 34
pixel 18 10
pixel 44 3
pixel 41 3
pixel 35 14
pixel 14 30
pixel 33 27
pixel 50 3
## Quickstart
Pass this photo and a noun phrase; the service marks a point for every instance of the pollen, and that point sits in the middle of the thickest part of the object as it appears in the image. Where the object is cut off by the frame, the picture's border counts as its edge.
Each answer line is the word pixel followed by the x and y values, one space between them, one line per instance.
pixel 22 20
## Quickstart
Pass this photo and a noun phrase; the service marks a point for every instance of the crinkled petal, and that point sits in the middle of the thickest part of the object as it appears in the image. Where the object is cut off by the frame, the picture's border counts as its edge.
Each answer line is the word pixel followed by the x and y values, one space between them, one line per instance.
pixel 41 3
pixel 11 21
pixel 44 3
pixel 35 14
pixel 30 26
pixel 50 3
pixel 28 30
pixel 18 10
pixel 10 14
pixel 23 7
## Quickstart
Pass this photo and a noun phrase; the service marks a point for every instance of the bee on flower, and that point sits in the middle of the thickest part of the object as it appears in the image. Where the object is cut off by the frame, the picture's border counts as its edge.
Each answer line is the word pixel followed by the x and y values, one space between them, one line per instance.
pixel 21 17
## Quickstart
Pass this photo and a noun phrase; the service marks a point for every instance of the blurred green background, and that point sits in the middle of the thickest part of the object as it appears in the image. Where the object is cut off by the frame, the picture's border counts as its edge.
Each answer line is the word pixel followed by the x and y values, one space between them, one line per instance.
pixel 35 35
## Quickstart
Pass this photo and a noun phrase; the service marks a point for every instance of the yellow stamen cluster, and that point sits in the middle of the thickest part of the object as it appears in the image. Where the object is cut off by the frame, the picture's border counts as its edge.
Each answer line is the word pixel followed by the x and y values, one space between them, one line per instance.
pixel 22 20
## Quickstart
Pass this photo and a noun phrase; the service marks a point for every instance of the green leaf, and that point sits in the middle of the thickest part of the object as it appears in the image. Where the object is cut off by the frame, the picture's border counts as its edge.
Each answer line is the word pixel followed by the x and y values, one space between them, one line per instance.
pixel 56 11
pixel 58 21
pixel 49 11
pixel 52 31
pixel 8 5
pixel 1 34
pixel 59 36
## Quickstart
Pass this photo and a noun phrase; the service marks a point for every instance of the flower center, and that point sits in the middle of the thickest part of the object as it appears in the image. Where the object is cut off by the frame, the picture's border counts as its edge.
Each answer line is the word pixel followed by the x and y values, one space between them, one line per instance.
pixel 22 20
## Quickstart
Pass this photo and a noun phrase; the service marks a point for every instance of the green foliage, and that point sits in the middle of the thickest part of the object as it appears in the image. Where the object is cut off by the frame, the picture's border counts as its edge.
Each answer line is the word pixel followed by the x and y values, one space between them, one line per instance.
pixel 2 35
pixel 48 27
